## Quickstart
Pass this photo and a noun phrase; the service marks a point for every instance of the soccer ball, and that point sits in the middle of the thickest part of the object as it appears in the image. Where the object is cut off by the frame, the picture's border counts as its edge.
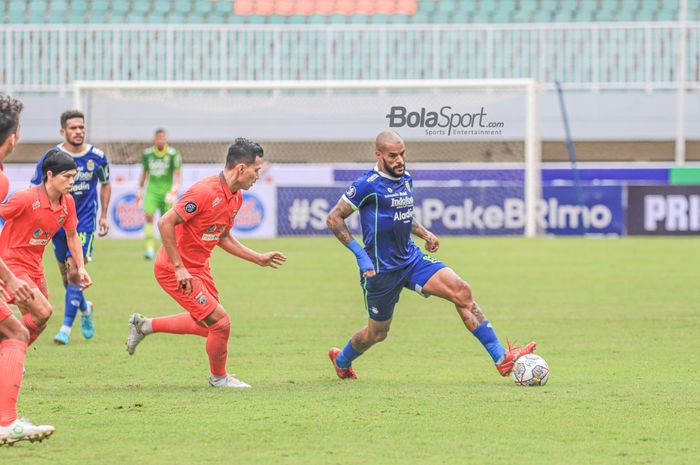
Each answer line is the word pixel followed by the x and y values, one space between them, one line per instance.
pixel 530 370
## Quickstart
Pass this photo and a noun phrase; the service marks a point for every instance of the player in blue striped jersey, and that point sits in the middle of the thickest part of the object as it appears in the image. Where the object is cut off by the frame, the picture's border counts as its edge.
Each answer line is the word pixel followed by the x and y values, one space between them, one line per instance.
pixel 390 261
pixel 93 168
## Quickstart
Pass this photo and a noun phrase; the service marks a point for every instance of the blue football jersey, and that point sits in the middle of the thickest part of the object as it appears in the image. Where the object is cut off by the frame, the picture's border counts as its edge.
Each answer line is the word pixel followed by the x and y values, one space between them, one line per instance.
pixel 92 168
pixel 386 215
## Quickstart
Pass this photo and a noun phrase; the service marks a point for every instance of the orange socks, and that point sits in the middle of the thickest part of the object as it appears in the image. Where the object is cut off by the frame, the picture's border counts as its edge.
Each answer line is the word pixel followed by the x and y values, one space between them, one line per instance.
pixel 34 330
pixel 217 346
pixel 217 336
pixel 12 354
pixel 182 323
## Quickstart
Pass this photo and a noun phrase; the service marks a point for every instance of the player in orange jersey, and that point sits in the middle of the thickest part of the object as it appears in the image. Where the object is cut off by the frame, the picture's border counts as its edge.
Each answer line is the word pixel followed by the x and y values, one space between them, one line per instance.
pixel 199 221
pixel 32 217
pixel 14 336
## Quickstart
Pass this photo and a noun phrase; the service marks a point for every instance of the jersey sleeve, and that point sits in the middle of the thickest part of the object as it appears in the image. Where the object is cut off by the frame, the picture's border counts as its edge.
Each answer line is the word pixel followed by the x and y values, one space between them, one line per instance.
pixel 38 175
pixel 192 202
pixel 357 193
pixel 144 161
pixel 103 171
pixel 14 206
pixel 177 160
pixel 71 222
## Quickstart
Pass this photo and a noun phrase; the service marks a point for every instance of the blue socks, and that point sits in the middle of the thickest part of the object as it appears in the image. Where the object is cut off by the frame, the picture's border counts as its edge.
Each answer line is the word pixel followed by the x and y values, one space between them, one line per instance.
pixel 74 301
pixel 347 355
pixel 487 336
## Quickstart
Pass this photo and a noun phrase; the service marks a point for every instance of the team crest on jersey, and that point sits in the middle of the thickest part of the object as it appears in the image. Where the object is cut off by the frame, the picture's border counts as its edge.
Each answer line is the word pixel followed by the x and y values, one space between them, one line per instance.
pixel 190 207
pixel 350 193
pixel 90 165
pixel 201 298
pixel 408 186
pixel 216 202
pixel 233 215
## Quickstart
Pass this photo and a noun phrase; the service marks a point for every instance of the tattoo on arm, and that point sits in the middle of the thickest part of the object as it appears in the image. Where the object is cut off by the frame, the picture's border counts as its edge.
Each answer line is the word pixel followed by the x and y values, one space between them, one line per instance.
pixel 418 229
pixel 336 222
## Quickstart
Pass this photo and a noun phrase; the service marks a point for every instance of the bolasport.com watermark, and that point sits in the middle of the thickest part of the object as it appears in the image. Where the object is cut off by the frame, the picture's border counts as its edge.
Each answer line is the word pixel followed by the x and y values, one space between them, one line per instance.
pixel 445 121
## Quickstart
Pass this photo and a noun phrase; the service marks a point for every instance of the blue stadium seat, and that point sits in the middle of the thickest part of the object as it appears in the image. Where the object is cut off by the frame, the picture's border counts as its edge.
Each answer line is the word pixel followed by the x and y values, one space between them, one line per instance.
pixel 57 12
pixel 16 12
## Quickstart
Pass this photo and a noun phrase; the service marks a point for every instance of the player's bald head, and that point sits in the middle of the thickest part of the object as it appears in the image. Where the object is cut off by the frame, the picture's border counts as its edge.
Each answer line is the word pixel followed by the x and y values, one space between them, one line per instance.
pixel 385 139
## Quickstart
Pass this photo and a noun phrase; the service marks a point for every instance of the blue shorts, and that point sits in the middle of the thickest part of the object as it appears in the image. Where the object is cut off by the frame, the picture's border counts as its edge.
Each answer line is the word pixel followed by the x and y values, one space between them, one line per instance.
pixel 60 245
pixel 382 290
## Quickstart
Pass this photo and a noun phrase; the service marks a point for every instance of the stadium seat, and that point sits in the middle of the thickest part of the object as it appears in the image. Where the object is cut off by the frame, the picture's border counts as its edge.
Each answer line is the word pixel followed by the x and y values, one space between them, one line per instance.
pixel 203 8
pixel 57 12
pixel 264 7
pixel 16 12
pixel 119 7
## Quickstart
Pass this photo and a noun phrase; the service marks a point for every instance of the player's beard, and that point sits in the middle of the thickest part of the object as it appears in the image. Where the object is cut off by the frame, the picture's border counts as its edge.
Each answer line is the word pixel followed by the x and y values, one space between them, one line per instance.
pixel 72 141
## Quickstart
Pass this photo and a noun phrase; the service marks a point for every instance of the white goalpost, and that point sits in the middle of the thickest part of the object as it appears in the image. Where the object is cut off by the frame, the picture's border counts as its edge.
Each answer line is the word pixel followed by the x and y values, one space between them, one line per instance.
pixel 330 111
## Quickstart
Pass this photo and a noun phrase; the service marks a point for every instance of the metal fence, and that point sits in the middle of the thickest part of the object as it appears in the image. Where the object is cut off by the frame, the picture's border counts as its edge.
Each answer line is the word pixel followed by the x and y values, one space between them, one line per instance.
pixel 648 56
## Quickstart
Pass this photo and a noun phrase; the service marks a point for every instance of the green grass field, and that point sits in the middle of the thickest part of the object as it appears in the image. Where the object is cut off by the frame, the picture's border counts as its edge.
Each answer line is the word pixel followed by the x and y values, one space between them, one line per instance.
pixel 618 321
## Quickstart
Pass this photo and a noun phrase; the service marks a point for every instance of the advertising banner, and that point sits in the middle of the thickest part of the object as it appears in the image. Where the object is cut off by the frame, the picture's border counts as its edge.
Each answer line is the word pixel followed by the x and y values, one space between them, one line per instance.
pixel 468 210
pixel 663 210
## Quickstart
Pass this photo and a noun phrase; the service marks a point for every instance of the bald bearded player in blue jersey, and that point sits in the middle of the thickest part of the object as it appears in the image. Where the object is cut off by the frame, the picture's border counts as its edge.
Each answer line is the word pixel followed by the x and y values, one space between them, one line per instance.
pixel 390 260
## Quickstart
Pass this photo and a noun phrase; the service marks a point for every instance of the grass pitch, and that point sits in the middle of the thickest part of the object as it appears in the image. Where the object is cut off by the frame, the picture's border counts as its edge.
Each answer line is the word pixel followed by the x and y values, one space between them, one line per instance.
pixel 617 320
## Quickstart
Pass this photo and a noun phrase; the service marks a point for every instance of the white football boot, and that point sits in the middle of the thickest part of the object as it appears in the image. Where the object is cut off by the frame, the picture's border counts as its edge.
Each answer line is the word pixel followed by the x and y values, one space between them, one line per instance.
pixel 135 333
pixel 227 381
pixel 22 430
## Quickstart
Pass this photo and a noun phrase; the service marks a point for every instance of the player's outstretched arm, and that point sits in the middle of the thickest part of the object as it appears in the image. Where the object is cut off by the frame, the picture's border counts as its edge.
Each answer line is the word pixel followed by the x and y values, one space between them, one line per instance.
pixel 432 243
pixel 336 223
pixel 76 251
pixel 231 245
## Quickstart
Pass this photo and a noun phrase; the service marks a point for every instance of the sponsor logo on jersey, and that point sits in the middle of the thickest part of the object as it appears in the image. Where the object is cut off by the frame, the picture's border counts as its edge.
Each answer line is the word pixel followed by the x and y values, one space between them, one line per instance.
pixel 40 237
pixel 372 178
pixel 216 202
pixel 251 214
pixel 201 298
pixel 213 233
pixel 402 202
pixel 390 189
pixel 126 214
pixel 190 207
pixel 408 186
pixel 350 193
pixel 61 219
pixel 374 310
pixel 36 205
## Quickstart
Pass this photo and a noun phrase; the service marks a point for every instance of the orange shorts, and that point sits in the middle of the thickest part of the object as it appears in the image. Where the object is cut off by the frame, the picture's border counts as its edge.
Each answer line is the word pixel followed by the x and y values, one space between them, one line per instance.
pixel 37 282
pixel 204 298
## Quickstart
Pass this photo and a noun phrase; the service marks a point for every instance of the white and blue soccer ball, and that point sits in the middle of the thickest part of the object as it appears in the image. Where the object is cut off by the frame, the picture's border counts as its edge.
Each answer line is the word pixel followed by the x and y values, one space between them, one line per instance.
pixel 530 370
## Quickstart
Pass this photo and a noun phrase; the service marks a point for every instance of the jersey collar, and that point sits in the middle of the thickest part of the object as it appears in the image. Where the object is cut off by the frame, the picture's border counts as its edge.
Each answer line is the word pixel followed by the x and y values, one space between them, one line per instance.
pixel 161 153
pixel 74 155
pixel 383 174
pixel 43 199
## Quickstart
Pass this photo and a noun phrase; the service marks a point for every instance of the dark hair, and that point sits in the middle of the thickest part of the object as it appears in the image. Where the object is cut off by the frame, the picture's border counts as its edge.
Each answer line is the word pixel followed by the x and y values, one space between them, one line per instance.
pixel 57 161
pixel 160 131
pixel 70 114
pixel 243 151
pixel 10 108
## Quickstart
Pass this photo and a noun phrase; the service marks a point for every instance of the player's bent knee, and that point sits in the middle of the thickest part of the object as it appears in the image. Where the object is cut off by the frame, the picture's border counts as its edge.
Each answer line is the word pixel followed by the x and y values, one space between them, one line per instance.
pixel 378 336
pixel 463 295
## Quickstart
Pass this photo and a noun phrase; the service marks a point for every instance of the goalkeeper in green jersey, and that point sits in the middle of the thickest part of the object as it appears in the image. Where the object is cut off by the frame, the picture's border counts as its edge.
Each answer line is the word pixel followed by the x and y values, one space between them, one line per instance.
pixel 161 166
